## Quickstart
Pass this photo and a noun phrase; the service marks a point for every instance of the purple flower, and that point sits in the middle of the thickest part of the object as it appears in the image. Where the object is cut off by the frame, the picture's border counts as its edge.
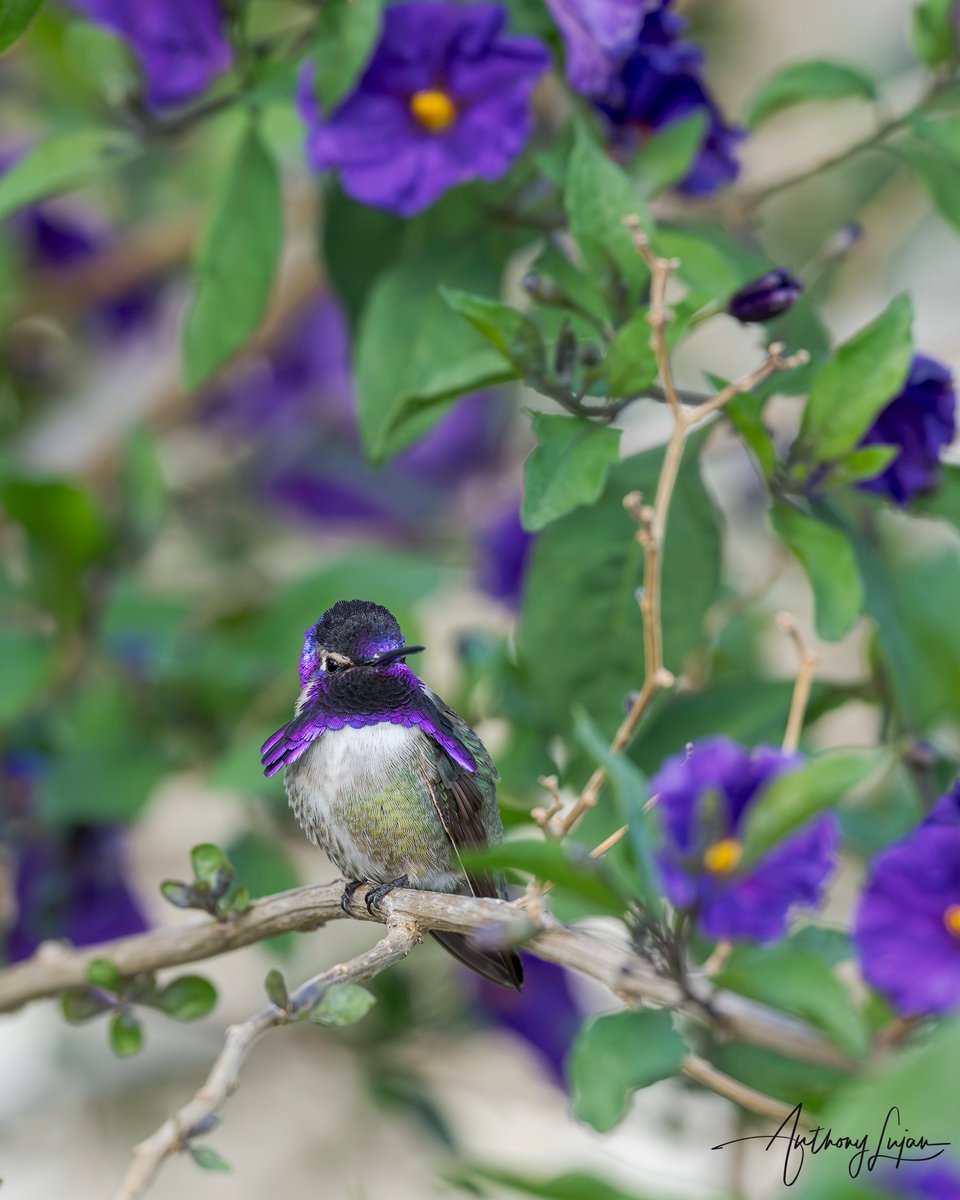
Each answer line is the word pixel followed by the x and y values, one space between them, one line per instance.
pixel 939 1180
pixel 503 550
pixel 765 298
pixel 544 1014
pixel 445 99
pixel 654 83
pixel 908 924
pixel 180 43
pixel 705 799
pixel 598 35
pixel 921 420
pixel 71 884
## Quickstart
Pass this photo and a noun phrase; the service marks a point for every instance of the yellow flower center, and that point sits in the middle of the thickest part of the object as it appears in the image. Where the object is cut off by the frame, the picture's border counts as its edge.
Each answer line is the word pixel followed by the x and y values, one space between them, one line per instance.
pixel 951 918
pixel 723 857
pixel 433 109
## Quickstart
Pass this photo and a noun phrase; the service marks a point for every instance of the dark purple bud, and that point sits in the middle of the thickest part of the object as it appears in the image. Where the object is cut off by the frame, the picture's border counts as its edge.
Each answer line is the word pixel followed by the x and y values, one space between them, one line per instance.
pixel 542 289
pixel 765 298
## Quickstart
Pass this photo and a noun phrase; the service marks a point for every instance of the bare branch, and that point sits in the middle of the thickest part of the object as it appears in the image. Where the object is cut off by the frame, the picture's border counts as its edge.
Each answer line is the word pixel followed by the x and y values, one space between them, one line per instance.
pixel 224 1078
pixel 804 682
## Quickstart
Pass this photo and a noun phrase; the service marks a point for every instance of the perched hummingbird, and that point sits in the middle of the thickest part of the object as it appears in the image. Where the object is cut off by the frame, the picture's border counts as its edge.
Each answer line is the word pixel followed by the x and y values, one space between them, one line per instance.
pixel 383 776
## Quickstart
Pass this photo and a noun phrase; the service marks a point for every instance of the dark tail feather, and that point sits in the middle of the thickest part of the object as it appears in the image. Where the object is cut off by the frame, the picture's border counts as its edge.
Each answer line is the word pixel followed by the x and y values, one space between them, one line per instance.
pixel 499 966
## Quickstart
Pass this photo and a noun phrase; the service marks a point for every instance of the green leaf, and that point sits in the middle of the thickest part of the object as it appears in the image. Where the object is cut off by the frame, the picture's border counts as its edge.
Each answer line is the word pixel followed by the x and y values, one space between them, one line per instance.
pixel 81 1004
pixel 187 998
pixel 102 973
pixel 615 1055
pixel 15 16
pixel 798 82
pixel 830 565
pixel 208 862
pixel 666 157
pixel 598 196
pixel 944 500
pixel 359 243
pixel 934 33
pixel 64 519
pixel 208 1159
pixel 632 791
pixel 346 34
pixel 631 362
pixel 238 258
pixel 28 664
pixel 568 867
pixel 342 1004
pixel 276 988
pixel 865 463
pixel 126 1034
pixel 265 867
pixel 513 334
pixel 413 352
pixel 590 563
pixel 571 1185
pixel 863 376
pixel 797 981
pixel 144 486
pixel 745 414
pixel 795 798
pixel 180 895
pixel 62 162
pixel 937 172
pixel 567 468
pixel 107 781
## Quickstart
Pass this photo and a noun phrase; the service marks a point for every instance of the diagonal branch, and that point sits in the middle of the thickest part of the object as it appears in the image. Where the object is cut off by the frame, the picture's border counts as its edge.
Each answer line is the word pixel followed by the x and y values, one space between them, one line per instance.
pixel 195 1116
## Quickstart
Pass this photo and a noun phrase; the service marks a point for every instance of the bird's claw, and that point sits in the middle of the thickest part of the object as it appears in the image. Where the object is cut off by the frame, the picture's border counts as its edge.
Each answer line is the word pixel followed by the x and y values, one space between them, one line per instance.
pixel 348 893
pixel 375 895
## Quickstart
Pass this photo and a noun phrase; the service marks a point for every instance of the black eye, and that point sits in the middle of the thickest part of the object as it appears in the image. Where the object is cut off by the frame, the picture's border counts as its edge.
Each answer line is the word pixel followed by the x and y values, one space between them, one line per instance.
pixel 330 665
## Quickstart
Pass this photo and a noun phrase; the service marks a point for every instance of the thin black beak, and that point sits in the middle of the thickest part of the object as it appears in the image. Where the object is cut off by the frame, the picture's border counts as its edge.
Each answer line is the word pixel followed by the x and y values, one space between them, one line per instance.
pixel 392 656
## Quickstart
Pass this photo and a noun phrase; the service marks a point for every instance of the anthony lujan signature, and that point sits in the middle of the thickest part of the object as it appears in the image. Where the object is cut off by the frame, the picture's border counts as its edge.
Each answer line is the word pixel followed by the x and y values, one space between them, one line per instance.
pixel 893 1144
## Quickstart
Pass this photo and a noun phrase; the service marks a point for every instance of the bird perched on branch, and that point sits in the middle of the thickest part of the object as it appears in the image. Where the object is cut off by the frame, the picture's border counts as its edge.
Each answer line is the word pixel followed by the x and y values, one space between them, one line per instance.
pixel 384 777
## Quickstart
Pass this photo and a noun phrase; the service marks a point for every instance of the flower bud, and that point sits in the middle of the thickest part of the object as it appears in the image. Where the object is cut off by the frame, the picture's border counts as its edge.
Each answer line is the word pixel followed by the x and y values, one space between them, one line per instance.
pixel 766 297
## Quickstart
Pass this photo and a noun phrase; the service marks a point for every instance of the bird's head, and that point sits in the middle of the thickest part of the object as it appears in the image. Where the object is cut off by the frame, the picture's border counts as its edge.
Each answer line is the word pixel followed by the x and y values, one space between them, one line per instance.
pixel 351 636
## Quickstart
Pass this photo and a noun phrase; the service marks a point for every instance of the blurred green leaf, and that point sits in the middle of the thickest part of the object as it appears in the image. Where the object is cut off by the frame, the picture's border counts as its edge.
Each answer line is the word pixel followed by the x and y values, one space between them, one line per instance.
pixel 512 333
pixel 745 415
pixel 863 376
pixel 789 1079
pixel 359 243
pixel 342 1004
pixel 799 82
pixel 62 518
pixel 101 782
pixel 179 894
pixel 81 1004
pixel 937 171
pixel 28 664
pixel 187 998
pixel 346 32
pixel 572 1185
pixel 864 463
pixel 796 797
pixel 612 1056
pixel 15 16
pixel 943 501
pixel 631 363
pixel 598 196
pixel 567 468
pixel 276 989
pixel 830 565
pixel 207 1159
pixel 413 352
pixel 62 162
pixel 666 157
pixel 934 33
pixel 589 563
pixel 144 486
pixel 265 867
pixel 798 981
pixel 568 867
pixel 126 1034
pixel 238 258
pixel 103 974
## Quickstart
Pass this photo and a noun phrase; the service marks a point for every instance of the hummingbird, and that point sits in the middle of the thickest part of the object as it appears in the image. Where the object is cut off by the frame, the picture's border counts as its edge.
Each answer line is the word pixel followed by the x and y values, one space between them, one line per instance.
pixel 385 778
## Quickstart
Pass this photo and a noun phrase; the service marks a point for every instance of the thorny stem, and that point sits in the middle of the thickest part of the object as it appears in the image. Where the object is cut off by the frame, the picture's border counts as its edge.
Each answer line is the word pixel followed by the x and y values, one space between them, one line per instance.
pixel 652 520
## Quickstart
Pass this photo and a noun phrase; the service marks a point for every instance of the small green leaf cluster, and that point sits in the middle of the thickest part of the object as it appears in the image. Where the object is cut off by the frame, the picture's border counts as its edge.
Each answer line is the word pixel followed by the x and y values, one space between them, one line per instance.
pixel 213 888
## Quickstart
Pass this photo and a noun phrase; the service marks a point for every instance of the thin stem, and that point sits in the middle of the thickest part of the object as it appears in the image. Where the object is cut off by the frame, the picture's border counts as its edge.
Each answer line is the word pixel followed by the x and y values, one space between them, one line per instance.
pixel 807 663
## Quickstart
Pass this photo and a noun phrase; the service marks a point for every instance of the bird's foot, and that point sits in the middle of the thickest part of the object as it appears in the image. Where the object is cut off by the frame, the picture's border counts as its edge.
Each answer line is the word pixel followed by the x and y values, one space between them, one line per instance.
pixel 375 895
pixel 348 891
